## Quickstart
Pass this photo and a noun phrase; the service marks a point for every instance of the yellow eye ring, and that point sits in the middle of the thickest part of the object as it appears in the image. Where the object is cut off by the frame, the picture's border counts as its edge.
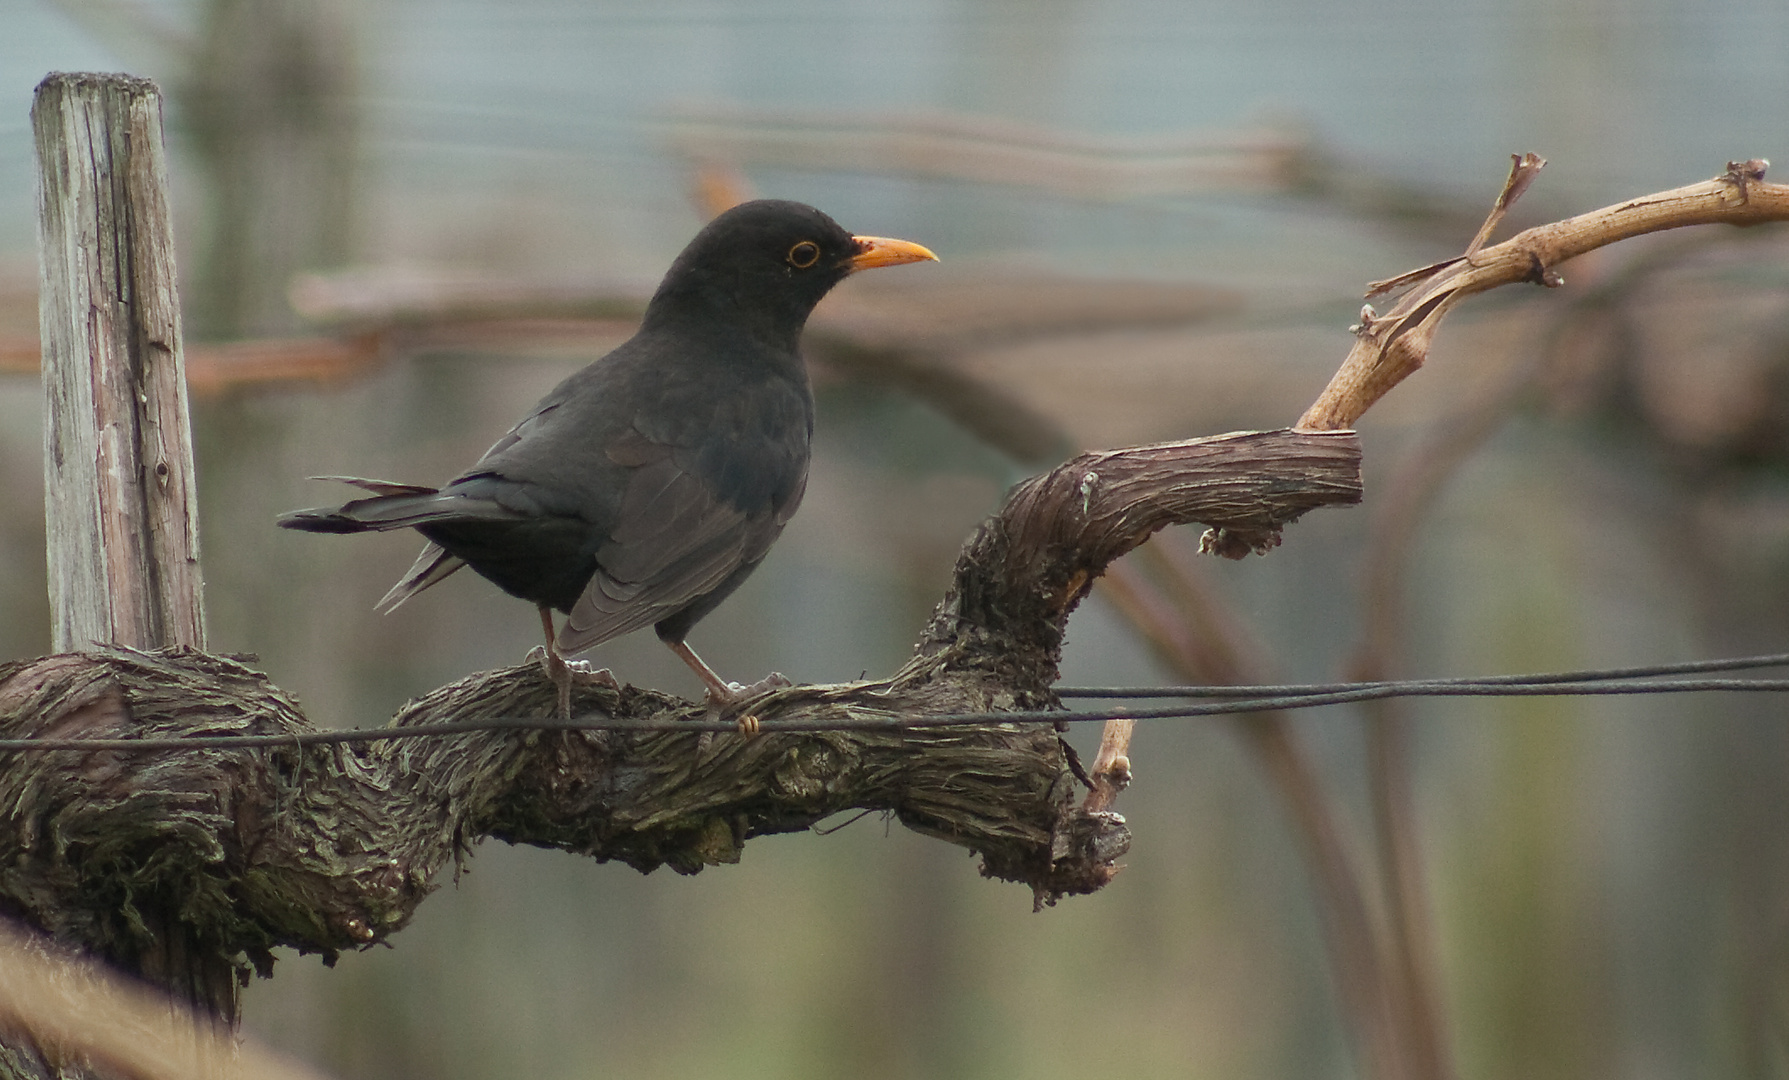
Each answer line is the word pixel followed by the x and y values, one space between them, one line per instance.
pixel 804 255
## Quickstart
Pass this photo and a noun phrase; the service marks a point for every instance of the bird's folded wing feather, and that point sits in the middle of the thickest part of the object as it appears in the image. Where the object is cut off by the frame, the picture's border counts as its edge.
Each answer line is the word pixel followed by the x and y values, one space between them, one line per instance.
pixel 674 543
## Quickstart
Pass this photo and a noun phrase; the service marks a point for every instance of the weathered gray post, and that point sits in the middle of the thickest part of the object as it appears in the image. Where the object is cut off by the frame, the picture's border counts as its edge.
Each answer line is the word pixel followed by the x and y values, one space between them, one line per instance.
pixel 120 505
pixel 121 509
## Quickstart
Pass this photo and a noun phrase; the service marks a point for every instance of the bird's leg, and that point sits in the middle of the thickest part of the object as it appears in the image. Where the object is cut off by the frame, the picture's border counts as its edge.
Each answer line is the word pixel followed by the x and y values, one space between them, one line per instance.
pixel 554 664
pixel 562 671
pixel 722 693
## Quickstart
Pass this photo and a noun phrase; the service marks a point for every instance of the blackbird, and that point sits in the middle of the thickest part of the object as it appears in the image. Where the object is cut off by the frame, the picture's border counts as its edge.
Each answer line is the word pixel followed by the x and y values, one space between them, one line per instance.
pixel 645 488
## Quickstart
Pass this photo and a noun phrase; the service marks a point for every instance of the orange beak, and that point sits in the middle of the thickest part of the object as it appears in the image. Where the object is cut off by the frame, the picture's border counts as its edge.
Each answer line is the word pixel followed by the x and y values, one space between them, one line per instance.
pixel 873 251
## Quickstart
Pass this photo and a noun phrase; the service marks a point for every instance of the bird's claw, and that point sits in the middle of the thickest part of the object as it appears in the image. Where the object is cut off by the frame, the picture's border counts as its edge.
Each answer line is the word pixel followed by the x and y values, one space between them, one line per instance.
pixel 562 673
pixel 721 704
pixel 776 680
pixel 591 675
pixel 735 693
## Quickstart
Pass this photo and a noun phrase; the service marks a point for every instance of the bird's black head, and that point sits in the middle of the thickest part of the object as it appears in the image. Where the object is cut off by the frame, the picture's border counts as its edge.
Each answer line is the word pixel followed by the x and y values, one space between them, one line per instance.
pixel 762 266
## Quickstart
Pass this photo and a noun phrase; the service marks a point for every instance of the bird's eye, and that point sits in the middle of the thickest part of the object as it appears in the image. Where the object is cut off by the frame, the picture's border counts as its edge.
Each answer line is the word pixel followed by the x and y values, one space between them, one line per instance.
pixel 804 254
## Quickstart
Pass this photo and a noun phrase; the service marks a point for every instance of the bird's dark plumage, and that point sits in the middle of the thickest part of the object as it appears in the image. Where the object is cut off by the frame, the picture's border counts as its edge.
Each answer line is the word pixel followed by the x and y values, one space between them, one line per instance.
pixel 645 488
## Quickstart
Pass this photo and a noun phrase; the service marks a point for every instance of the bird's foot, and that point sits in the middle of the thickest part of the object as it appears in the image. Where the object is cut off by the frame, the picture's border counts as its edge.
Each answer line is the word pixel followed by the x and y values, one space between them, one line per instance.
pixel 590 675
pixel 540 655
pixel 735 693
pixel 563 673
pixel 721 702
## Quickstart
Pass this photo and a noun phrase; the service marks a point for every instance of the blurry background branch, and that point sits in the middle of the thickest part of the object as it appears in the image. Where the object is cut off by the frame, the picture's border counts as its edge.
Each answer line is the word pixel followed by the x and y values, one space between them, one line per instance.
pixel 986 150
pixel 266 95
pixel 720 141
pixel 266 262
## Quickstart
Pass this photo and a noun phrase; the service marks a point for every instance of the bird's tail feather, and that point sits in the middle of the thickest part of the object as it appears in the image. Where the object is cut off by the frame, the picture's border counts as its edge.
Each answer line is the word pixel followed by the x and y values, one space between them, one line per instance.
pixel 431 566
pixel 385 510
pixel 379 487
pixel 400 506
pixel 393 506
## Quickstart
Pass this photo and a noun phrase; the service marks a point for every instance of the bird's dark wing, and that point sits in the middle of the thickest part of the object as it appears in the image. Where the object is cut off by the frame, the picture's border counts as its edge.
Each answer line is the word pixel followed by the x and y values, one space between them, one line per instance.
pixel 680 479
pixel 676 541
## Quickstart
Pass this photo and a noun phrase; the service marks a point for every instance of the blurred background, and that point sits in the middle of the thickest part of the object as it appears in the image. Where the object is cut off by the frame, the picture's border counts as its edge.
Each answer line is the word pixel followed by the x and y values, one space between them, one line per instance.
pixel 402 222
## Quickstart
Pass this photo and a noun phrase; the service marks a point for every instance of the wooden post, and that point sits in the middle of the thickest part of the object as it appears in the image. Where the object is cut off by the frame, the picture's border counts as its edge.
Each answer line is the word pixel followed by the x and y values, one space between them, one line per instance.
pixel 119 498
pixel 120 503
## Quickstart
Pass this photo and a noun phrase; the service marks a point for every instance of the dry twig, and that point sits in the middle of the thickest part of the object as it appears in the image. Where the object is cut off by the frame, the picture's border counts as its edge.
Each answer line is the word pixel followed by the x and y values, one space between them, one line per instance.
pixel 1391 347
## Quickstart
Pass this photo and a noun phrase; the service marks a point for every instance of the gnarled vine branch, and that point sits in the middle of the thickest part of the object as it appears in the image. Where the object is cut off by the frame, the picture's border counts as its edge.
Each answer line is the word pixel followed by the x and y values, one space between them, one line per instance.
pixel 325 848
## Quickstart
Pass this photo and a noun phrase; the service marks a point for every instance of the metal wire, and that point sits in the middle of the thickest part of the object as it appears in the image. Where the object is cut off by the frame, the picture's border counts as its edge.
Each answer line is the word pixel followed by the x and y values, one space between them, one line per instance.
pixel 1236 699
pixel 1731 663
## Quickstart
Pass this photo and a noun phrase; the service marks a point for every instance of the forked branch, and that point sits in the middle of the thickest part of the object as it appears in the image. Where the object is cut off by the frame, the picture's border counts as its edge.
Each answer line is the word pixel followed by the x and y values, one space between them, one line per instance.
pixel 1390 347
